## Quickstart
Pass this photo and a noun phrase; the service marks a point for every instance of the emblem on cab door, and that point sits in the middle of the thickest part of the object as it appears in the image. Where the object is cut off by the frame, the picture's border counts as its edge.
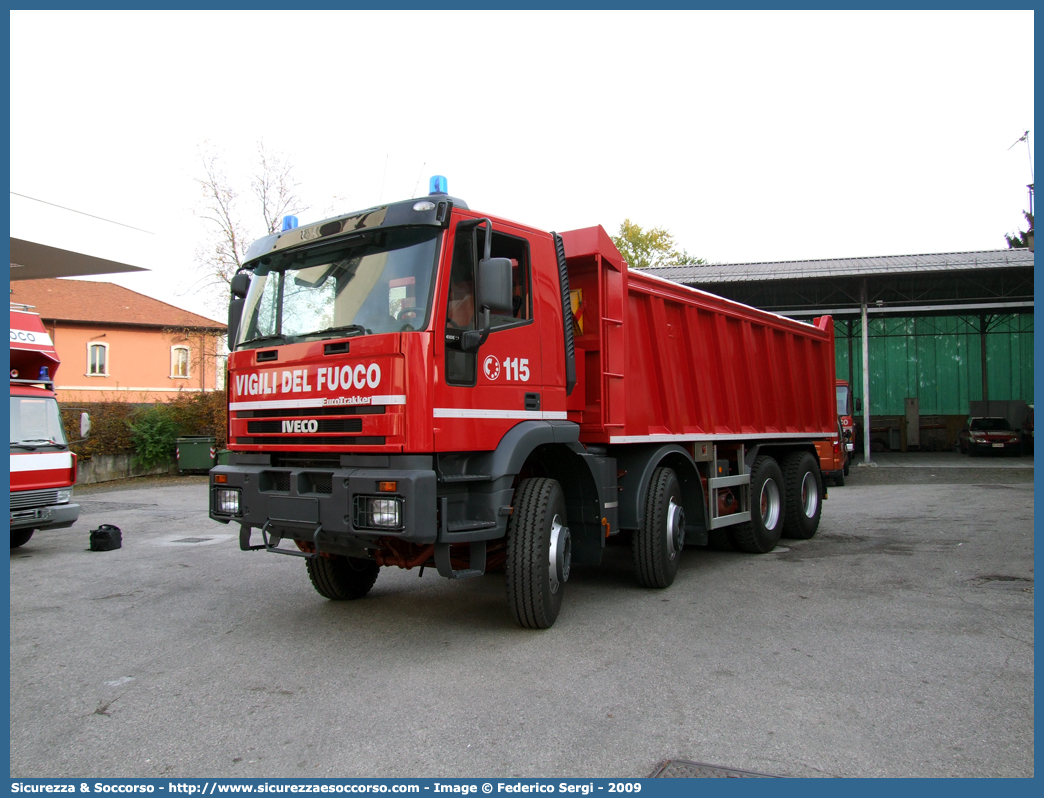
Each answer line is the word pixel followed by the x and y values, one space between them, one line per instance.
pixel 491 368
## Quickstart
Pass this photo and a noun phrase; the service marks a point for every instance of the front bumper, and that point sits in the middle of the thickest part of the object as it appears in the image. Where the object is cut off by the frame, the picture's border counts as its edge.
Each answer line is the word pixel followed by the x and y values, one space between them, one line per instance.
pixel 54 516
pixel 322 505
pixel 985 447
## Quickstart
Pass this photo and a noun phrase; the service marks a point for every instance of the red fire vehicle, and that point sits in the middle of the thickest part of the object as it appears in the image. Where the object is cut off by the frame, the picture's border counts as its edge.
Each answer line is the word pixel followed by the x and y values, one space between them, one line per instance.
pixel 422 385
pixel 43 470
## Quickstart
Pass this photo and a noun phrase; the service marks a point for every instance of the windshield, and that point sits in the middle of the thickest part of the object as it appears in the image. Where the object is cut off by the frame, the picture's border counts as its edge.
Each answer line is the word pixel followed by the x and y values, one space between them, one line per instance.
pixel 378 282
pixel 842 401
pixel 35 420
pixel 990 424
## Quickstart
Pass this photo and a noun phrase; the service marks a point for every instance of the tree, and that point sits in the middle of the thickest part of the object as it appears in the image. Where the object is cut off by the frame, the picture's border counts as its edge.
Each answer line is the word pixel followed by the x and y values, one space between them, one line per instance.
pixel 643 249
pixel 228 233
pixel 1020 239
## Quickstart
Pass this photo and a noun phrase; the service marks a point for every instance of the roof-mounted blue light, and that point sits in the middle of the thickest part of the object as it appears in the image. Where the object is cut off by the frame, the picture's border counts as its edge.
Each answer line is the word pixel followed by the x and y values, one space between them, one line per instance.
pixel 438 185
pixel 289 223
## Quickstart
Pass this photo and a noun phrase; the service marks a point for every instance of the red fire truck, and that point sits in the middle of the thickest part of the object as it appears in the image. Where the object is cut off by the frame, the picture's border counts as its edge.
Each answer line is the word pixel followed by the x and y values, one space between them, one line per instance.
pixel 43 470
pixel 419 384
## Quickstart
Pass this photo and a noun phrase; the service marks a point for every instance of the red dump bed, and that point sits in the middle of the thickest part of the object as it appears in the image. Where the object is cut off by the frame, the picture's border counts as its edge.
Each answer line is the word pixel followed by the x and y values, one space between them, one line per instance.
pixel 657 361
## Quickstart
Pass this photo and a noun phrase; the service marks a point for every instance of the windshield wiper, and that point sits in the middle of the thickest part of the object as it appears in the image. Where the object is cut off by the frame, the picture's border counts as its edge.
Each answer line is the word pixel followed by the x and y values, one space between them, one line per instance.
pixel 356 328
pixel 273 337
pixel 27 443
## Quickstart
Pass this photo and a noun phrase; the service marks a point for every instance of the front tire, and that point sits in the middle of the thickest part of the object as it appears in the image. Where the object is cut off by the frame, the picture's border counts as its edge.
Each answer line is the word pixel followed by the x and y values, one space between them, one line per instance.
pixel 341 578
pixel 19 537
pixel 539 553
pixel 762 532
pixel 657 545
pixel 803 482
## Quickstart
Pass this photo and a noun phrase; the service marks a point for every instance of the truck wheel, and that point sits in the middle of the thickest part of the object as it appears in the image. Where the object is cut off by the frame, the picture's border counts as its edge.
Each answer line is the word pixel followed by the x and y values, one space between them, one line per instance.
pixel 839 479
pixel 539 551
pixel 848 462
pixel 341 578
pixel 19 537
pixel 658 544
pixel 804 496
pixel 762 532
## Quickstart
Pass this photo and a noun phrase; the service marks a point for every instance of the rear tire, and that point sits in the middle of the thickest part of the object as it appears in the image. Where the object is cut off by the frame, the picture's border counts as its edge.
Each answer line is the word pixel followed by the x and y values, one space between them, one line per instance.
pixel 657 545
pixel 341 578
pixel 762 532
pixel 804 496
pixel 19 537
pixel 539 552
pixel 839 479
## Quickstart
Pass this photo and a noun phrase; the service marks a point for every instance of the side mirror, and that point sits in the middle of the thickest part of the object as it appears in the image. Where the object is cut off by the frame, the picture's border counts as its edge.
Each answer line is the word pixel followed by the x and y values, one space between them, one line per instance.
pixel 858 405
pixel 240 285
pixel 495 285
pixel 235 312
pixel 493 296
pixel 85 424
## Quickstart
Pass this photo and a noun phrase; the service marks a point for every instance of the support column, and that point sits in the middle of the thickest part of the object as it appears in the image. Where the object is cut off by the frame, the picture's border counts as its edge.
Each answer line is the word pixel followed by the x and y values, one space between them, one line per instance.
pixel 866 377
pixel 983 321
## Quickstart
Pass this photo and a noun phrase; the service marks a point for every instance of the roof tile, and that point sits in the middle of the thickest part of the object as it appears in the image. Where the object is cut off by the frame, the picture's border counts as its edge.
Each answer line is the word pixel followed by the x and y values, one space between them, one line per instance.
pixel 102 303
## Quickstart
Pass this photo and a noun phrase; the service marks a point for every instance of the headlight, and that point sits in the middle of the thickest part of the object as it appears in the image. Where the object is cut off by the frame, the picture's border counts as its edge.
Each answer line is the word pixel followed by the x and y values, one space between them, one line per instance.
pixel 64 494
pixel 226 501
pixel 377 512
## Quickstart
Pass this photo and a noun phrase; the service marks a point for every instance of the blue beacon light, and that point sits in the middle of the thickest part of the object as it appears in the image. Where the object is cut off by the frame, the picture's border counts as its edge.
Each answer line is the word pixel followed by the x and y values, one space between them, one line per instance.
pixel 289 223
pixel 438 185
pixel 44 374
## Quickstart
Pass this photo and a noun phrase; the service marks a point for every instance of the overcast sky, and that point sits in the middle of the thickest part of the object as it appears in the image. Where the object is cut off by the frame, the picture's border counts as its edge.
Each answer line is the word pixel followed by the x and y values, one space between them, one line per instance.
pixel 751 136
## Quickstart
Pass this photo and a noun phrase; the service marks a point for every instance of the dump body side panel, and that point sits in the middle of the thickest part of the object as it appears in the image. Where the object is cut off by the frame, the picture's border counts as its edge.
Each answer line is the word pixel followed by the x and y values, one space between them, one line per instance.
pixel 665 362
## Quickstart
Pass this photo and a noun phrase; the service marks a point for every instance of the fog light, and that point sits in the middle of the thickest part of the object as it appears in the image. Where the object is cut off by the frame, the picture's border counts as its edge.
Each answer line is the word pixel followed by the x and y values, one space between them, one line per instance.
pixel 372 512
pixel 64 494
pixel 226 501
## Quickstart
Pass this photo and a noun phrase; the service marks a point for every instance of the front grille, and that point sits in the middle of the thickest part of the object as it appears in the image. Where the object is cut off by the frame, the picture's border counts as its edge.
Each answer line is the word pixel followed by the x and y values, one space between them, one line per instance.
pixel 305 460
pixel 316 440
pixel 324 425
pixel 298 412
pixel 33 498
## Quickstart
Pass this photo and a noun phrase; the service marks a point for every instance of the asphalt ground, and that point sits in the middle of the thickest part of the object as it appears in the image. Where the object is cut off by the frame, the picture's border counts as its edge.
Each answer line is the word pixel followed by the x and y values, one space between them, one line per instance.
pixel 897 642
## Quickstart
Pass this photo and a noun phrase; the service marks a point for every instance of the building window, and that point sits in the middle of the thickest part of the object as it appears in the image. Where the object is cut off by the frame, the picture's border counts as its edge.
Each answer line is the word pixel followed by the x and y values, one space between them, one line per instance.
pixel 97 360
pixel 179 361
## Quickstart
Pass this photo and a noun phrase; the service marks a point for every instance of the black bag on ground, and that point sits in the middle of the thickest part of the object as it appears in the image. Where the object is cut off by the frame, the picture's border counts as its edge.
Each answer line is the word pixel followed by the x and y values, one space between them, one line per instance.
pixel 106 538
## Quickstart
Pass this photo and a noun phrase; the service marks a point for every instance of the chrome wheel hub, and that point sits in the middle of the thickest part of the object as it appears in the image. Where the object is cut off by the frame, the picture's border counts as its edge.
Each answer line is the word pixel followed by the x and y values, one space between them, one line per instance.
pixel 559 554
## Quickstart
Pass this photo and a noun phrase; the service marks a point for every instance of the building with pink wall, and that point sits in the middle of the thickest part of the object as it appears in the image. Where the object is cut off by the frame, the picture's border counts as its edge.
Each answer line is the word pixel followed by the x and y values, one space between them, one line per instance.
pixel 117 345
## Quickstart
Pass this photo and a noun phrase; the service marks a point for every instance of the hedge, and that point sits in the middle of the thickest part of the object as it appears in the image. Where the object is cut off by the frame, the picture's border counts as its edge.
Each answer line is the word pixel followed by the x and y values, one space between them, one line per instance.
pixel 113 424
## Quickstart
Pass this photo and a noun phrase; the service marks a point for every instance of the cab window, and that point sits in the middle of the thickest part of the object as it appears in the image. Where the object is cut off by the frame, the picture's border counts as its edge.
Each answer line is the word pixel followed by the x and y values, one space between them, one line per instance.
pixel 461 312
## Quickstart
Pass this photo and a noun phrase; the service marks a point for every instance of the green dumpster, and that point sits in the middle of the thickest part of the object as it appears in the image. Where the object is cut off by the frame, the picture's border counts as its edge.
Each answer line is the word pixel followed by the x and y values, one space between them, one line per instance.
pixel 196 453
pixel 223 456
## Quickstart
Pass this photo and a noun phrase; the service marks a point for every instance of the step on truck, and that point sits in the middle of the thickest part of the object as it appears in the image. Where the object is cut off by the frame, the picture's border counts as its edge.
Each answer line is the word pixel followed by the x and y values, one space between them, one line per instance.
pixel 422 385
pixel 43 469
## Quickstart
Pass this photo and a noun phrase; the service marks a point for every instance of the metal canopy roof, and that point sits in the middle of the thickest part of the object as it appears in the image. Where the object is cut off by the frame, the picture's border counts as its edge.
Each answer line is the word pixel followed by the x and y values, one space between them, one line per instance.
pixel 990 281
pixel 32 261
pixel 845 267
